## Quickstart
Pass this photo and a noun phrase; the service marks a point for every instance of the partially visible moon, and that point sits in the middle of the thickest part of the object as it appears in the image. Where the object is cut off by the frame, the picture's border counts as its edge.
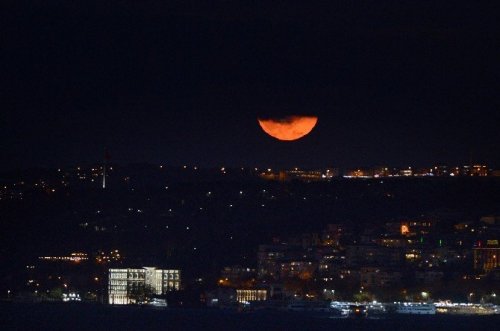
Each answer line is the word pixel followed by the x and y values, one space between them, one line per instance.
pixel 288 128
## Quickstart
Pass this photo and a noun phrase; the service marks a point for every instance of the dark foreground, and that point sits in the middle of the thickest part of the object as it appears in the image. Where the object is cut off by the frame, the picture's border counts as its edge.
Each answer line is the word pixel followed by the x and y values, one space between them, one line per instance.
pixel 16 316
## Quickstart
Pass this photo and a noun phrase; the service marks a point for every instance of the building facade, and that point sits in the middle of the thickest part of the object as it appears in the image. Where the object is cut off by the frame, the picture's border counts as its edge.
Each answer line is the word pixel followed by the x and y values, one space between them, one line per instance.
pixel 246 295
pixel 123 282
pixel 486 258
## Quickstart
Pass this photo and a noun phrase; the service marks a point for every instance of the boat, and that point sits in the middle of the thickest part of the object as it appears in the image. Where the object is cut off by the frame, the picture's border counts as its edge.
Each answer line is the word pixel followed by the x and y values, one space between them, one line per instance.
pixel 358 311
pixel 341 308
pixel 452 308
pixel 376 309
pixel 416 308
pixel 349 309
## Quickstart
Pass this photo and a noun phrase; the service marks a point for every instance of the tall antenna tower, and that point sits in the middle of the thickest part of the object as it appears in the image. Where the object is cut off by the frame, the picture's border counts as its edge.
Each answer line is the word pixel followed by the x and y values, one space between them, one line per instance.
pixel 106 157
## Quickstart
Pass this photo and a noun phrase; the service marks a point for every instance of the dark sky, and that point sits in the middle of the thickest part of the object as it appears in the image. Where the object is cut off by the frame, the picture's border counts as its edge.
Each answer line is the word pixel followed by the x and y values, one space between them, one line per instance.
pixel 392 82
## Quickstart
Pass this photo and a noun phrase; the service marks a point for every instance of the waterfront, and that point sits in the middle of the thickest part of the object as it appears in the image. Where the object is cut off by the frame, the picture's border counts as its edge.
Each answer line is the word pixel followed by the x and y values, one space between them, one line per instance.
pixel 18 316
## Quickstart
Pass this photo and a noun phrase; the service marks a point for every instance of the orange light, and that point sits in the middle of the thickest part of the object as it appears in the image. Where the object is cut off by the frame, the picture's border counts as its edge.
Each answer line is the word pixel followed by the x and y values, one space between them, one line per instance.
pixel 288 128
pixel 405 229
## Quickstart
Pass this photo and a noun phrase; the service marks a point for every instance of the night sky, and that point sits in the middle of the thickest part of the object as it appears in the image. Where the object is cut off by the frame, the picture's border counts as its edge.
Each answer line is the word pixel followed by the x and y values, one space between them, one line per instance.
pixel 403 83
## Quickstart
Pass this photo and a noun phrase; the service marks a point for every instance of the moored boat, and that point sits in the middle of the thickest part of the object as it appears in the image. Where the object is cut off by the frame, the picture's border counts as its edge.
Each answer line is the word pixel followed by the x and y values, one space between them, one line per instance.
pixel 416 308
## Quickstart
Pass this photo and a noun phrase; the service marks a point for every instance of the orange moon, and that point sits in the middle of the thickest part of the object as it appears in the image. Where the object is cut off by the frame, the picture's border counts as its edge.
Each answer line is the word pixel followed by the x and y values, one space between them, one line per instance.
pixel 288 128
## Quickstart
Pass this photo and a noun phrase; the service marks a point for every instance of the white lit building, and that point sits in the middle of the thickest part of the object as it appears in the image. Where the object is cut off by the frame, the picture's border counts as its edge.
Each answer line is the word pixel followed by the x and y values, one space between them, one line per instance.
pixel 250 295
pixel 122 281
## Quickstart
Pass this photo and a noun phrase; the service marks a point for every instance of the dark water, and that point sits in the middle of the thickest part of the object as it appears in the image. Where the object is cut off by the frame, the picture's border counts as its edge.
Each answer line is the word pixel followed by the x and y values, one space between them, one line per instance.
pixel 15 316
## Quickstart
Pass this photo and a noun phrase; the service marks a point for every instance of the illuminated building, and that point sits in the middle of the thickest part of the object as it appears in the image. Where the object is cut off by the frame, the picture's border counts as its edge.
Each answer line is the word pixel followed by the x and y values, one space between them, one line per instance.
pixel 302 269
pixel 406 172
pixel 479 170
pixel 122 282
pixel 329 260
pixel 235 274
pixel 268 258
pixel 251 295
pixel 359 173
pixel 413 228
pixel 486 257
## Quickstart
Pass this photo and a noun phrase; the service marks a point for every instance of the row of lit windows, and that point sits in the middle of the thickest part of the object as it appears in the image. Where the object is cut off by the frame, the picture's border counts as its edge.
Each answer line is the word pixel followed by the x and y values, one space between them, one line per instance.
pixel 117 281
pixel 251 295
pixel 169 284
pixel 118 299
pixel 133 278
pixel 118 289
pixel 115 284
pixel 139 273
pixel 171 276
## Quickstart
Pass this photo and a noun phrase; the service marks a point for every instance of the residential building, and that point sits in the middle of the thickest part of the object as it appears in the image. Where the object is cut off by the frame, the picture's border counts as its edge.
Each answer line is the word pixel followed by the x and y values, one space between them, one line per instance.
pixel 486 257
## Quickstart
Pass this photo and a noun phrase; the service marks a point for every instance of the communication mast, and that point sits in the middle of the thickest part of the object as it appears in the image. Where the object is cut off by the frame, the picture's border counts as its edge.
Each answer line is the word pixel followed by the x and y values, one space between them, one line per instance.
pixel 106 157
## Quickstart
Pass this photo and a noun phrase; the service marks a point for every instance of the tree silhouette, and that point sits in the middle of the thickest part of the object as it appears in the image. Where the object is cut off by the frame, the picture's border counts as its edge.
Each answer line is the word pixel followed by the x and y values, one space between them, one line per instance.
pixel 141 293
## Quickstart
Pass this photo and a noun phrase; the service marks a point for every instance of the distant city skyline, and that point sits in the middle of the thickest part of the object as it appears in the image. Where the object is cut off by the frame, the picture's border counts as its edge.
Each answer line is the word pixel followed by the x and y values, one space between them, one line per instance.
pixel 433 169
